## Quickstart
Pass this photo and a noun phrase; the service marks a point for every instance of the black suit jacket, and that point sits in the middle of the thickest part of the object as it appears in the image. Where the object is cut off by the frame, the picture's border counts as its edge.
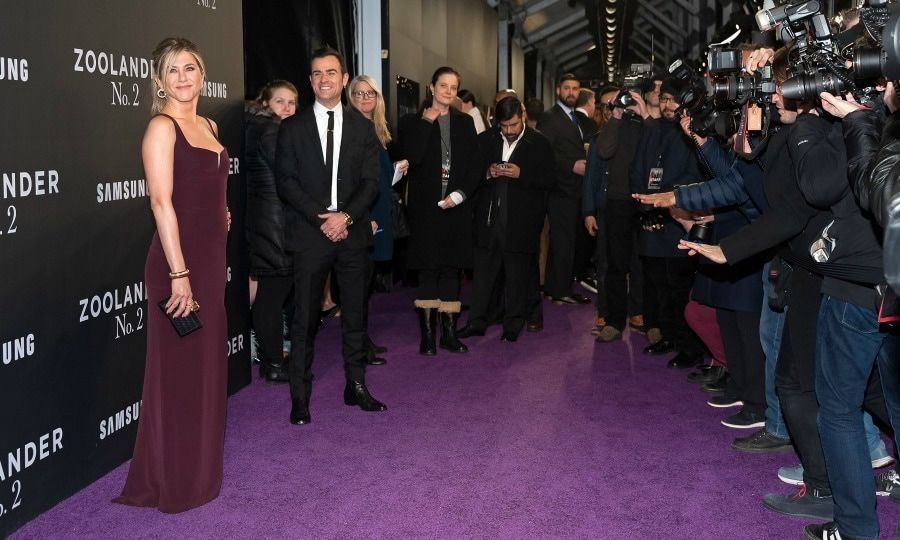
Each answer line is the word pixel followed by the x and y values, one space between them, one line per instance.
pixel 568 147
pixel 304 184
pixel 588 127
pixel 525 197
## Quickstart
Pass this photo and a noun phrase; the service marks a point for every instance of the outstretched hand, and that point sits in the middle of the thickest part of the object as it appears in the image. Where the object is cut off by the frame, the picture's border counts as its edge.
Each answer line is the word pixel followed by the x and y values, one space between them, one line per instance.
pixel 712 252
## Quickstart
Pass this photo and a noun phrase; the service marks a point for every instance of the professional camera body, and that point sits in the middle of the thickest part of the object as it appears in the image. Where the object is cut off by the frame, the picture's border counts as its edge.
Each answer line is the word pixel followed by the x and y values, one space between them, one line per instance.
pixel 729 82
pixel 714 102
pixel 816 57
pixel 638 79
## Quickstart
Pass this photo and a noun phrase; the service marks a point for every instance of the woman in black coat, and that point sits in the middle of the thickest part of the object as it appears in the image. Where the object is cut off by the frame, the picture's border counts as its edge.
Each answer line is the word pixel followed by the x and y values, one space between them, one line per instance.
pixel 270 267
pixel 441 147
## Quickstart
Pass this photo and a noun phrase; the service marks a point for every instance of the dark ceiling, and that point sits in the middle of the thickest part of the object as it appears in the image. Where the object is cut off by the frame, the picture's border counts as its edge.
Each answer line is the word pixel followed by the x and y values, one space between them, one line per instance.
pixel 600 39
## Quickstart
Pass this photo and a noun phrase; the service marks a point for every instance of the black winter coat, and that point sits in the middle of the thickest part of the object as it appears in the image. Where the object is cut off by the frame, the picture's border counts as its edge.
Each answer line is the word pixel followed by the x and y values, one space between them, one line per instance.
pixel 526 196
pixel 439 238
pixel 265 213
pixel 664 145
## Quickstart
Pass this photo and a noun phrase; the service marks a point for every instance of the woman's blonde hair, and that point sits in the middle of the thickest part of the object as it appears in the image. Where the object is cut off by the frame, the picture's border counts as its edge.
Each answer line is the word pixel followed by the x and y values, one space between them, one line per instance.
pixel 378 115
pixel 163 56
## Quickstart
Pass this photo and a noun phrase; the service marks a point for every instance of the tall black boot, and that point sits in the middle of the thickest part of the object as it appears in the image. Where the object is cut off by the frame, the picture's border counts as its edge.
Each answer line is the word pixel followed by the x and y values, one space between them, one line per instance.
pixel 449 340
pixel 428 327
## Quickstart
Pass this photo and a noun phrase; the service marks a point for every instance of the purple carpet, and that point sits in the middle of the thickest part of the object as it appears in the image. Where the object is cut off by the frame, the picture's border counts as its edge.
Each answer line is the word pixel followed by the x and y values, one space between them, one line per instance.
pixel 551 436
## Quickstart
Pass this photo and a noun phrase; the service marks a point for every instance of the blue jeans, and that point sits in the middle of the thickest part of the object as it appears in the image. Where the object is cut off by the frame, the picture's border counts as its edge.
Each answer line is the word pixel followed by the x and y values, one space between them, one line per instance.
pixel 771 326
pixel 848 344
pixel 889 369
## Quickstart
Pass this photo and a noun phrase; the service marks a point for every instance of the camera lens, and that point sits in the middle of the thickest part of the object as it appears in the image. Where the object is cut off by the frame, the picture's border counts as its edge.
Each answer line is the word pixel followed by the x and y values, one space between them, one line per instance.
pixel 808 86
pixel 868 63
pixel 890 41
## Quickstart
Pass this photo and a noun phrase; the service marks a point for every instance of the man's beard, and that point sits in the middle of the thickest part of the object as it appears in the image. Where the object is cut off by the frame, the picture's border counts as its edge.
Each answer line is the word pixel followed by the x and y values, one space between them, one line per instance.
pixel 570 101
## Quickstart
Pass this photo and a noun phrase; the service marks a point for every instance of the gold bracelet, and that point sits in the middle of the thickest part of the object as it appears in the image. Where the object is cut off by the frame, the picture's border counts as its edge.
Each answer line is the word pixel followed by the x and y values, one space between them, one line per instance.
pixel 179 274
pixel 347 219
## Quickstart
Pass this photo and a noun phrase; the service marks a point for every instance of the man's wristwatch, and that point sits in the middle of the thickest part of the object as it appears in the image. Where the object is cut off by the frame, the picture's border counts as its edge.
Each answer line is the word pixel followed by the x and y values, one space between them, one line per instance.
pixel 347 219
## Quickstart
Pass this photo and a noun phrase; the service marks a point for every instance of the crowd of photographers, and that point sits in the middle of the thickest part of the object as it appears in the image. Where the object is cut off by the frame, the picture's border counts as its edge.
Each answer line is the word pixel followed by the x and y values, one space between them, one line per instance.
pixel 761 195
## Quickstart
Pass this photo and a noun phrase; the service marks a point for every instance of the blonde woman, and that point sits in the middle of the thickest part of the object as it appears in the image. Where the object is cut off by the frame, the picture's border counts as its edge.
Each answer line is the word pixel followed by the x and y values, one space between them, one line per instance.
pixel 365 97
pixel 177 461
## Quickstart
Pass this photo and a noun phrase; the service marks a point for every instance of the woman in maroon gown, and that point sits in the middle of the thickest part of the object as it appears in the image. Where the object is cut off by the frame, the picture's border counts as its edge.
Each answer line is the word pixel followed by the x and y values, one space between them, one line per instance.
pixel 177 462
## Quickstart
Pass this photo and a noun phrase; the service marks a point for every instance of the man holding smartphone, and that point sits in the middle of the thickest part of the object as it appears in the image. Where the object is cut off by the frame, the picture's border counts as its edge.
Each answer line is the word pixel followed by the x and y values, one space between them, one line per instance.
pixel 509 215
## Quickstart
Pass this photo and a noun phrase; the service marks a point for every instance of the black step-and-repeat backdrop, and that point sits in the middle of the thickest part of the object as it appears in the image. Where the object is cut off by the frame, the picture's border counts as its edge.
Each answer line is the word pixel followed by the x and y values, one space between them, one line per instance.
pixel 75 225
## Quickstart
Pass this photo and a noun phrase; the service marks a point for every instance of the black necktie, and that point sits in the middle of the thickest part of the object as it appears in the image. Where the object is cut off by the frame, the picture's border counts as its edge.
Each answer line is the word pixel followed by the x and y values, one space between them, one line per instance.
pixel 577 125
pixel 329 146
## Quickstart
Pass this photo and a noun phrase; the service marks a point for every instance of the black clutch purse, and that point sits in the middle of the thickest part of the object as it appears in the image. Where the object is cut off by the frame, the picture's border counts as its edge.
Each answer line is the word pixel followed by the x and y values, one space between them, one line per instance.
pixel 182 325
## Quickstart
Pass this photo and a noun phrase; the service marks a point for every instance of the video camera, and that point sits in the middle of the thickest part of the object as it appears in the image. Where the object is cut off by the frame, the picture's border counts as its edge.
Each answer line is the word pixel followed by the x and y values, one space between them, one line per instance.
pixel 638 79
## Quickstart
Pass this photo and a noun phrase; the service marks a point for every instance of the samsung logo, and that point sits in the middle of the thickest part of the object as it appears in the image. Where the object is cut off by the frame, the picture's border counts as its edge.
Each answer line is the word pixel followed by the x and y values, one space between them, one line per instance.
pixel 212 89
pixel 120 420
pixel 18 349
pixel 13 69
pixel 121 190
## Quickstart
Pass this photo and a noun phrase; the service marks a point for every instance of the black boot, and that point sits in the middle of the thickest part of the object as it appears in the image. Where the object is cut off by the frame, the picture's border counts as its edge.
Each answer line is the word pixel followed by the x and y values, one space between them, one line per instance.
pixel 356 393
pixel 428 327
pixel 449 340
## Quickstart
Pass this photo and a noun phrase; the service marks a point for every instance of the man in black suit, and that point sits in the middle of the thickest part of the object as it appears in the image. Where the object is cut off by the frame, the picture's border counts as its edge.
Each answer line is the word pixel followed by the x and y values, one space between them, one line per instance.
pixel 509 214
pixel 560 126
pixel 327 168
pixel 585 106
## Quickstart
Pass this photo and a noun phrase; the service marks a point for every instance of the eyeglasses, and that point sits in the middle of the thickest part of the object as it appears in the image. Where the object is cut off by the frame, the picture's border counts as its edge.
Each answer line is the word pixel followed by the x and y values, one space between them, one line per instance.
pixel 371 94
pixel 666 99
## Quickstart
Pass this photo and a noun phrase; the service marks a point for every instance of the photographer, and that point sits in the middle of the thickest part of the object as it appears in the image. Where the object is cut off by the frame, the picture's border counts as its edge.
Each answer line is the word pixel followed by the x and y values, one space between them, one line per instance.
pixel 615 146
pixel 666 158
pixel 816 164
pixel 857 349
pixel 737 183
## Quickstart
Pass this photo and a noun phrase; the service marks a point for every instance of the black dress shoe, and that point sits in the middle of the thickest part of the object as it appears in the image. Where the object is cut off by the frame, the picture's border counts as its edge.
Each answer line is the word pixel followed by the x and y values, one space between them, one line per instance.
pixel 706 374
pixel 535 326
pixel 662 346
pixel 356 393
pixel 685 360
pixel 299 412
pixel 373 360
pixel 272 373
pixel 509 337
pixel 470 330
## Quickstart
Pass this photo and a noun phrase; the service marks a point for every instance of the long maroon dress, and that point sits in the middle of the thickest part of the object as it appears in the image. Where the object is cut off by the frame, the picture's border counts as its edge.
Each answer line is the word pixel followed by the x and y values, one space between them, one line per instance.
pixel 177 462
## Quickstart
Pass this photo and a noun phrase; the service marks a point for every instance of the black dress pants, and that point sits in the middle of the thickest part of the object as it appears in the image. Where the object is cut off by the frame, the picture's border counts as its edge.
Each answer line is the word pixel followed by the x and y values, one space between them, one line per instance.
pixel 746 359
pixel 273 295
pixel 516 286
pixel 349 266
pixel 563 211
pixel 621 229
pixel 667 290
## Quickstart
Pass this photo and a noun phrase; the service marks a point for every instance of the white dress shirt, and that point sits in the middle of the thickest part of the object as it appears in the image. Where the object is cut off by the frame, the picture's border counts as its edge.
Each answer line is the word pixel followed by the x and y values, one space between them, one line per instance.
pixel 321 114
pixel 510 147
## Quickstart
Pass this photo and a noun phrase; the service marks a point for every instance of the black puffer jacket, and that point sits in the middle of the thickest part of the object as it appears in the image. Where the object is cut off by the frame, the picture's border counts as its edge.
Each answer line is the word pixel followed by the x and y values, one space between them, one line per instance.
pixel 265 215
